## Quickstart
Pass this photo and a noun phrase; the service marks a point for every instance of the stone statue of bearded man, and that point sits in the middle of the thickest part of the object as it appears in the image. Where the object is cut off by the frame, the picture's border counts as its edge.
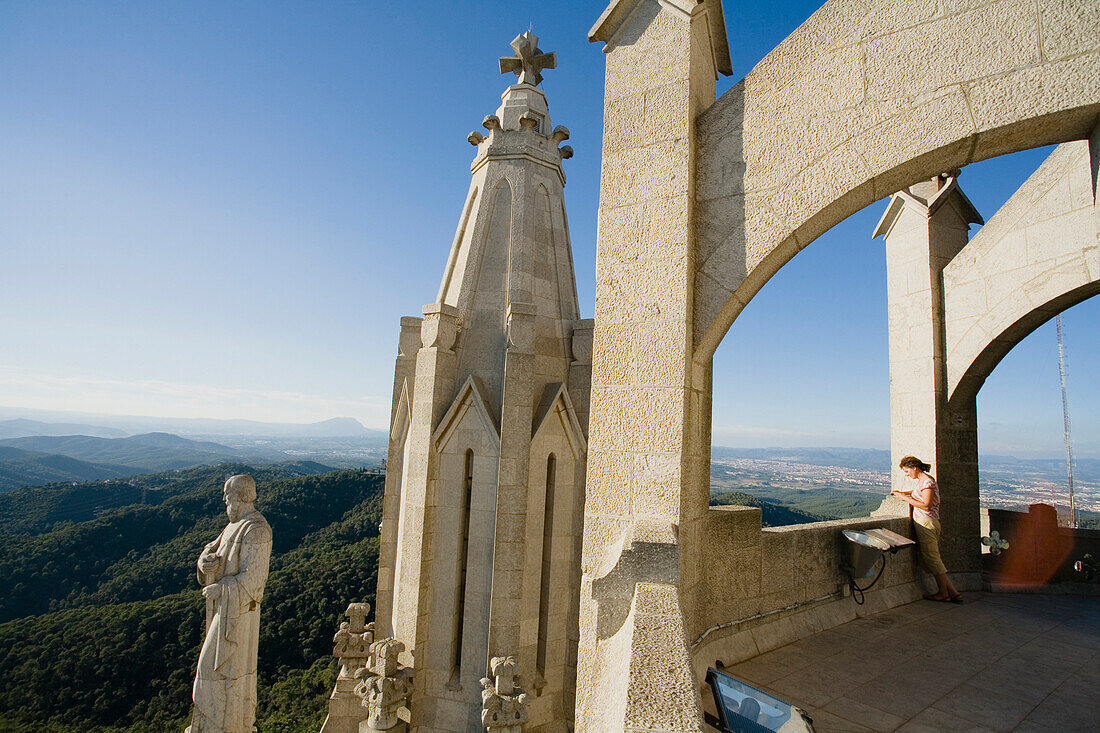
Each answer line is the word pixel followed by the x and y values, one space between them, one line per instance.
pixel 232 570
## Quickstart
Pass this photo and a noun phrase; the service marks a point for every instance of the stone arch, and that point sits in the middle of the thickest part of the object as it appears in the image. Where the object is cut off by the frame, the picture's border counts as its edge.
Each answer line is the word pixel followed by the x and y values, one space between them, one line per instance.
pixel 1038 255
pixel 860 102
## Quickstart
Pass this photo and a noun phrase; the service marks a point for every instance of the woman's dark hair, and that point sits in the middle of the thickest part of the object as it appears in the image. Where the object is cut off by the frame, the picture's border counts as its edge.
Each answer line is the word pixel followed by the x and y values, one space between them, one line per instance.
pixel 914 462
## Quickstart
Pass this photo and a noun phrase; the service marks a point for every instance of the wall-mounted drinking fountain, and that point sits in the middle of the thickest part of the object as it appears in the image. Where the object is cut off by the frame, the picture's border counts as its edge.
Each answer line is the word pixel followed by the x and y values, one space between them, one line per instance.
pixel 865 551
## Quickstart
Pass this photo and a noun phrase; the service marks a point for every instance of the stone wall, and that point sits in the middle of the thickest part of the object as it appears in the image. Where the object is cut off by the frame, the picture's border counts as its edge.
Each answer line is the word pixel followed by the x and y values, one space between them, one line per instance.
pixel 773 586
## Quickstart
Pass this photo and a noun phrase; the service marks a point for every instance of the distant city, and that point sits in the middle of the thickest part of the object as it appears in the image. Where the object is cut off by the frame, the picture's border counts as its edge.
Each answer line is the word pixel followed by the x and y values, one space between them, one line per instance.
pixel 1005 481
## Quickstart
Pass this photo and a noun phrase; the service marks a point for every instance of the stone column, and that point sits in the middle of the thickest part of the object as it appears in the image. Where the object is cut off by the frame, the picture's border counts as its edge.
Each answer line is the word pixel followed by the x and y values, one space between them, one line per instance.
pixel 404 376
pixel 509 548
pixel 925 226
pixel 642 486
pixel 434 387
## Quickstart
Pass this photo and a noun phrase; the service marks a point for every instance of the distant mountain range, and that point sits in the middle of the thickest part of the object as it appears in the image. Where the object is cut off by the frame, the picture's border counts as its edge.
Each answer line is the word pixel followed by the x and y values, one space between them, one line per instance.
pixel 22 428
pixel 150 452
pixel 33 422
pixel 43 459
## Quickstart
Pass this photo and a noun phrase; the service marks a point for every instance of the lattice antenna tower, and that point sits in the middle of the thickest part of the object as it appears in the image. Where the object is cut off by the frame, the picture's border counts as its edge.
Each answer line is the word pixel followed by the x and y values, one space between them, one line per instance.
pixel 1065 421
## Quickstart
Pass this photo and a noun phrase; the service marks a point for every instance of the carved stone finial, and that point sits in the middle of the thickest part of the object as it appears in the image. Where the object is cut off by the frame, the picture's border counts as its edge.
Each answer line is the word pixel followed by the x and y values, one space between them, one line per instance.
pixel 995 543
pixel 353 640
pixel 503 700
pixel 566 152
pixel 529 60
pixel 357 614
pixel 491 122
pixel 385 686
pixel 475 138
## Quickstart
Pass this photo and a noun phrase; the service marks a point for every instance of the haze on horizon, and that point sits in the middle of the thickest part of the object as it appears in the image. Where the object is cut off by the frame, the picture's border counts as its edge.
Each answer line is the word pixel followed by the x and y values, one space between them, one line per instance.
pixel 212 211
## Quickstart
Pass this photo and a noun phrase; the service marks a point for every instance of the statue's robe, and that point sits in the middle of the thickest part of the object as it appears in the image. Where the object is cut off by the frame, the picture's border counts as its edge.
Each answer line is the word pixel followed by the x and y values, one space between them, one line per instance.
pixel 225 681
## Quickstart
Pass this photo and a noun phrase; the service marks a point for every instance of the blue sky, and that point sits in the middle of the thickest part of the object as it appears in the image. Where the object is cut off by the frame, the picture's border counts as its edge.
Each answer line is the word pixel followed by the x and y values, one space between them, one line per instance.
pixel 223 209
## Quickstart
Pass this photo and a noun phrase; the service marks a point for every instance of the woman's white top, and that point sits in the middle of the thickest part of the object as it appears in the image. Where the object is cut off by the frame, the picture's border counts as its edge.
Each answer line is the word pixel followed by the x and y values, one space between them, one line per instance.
pixel 928 491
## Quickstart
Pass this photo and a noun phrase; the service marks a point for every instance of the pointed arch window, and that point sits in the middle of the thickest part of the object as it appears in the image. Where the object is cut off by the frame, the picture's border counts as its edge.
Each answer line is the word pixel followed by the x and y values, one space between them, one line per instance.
pixel 547 550
pixel 463 557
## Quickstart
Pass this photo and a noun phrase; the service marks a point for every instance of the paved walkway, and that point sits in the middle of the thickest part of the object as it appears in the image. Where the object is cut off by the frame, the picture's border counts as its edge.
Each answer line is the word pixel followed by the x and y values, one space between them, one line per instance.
pixel 999 662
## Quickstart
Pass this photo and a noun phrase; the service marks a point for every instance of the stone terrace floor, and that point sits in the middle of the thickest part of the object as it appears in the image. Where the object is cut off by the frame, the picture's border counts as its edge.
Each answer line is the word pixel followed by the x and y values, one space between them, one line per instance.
pixel 998 662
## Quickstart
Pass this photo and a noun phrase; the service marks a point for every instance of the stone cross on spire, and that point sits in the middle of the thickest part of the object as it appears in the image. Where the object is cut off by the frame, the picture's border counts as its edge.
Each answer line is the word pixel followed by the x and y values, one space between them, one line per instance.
pixel 529 60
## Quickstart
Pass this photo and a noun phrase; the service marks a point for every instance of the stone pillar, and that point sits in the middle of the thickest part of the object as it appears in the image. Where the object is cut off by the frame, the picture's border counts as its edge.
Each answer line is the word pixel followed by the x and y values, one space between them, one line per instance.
pixel 645 457
pixel 924 227
pixel 404 377
pixel 509 547
pixel 352 645
pixel 434 387
pixel 503 700
pixel 384 688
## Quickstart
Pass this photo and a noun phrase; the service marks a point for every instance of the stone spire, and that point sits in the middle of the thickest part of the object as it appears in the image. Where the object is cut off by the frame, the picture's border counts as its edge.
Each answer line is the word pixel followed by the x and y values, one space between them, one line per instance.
pixel 485 480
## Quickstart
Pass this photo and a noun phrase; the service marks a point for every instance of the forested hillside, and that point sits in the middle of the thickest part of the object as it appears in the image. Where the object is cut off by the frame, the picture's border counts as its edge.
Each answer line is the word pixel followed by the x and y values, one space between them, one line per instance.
pixel 774 515
pixel 20 467
pixel 102 616
pixel 134 454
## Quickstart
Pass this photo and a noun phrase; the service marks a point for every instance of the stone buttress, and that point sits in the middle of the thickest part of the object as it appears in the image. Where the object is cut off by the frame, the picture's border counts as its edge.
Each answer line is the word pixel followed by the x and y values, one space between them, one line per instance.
pixel 485 483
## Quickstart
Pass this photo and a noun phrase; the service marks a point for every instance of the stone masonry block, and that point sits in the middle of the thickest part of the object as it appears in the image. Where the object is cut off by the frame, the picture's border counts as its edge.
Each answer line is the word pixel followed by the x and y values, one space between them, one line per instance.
pixel 621 130
pixel 655 418
pixel 667 113
pixel 1068 28
pixel 718 141
pixel 842 172
pixel 651 50
pixel 656 170
pixel 1031 92
pixel 611 476
pixel 988 40
pixel 619 233
pixel 777 562
pixel 656 487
